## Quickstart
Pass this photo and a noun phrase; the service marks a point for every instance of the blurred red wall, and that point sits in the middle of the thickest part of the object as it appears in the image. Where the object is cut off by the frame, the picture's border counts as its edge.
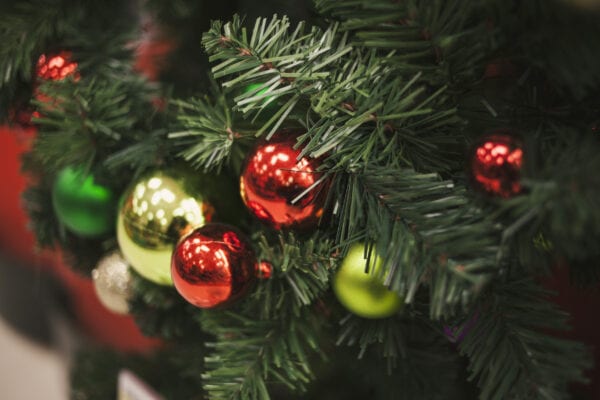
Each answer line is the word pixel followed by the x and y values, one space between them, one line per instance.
pixel 17 242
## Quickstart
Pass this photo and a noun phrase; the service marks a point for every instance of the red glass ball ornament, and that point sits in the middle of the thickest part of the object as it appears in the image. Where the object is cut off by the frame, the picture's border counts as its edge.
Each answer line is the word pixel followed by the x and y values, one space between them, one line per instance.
pixel 56 66
pixel 496 165
pixel 281 190
pixel 213 266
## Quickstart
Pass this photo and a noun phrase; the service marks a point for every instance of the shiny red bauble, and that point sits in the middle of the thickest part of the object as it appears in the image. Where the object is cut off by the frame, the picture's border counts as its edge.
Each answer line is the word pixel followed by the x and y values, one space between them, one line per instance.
pixel 281 190
pixel 56 66
pixel 496 165
pixel 213 266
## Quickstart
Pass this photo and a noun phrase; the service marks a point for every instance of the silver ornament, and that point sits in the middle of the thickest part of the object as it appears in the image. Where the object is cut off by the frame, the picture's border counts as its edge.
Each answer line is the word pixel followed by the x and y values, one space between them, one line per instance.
pixel 112 282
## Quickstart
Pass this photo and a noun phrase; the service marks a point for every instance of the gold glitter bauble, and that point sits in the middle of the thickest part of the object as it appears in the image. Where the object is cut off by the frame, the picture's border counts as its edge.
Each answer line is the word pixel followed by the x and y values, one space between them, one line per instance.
pixel 156 212
pixel 112 282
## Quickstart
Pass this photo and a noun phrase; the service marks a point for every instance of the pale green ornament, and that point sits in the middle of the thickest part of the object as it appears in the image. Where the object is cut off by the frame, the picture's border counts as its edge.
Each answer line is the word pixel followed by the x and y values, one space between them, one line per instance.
pixel 156 212
pixel 364 293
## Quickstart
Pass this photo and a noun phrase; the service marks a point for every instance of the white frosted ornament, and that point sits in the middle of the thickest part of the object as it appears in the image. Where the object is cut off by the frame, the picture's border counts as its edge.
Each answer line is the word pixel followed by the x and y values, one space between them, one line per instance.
pixel 112 282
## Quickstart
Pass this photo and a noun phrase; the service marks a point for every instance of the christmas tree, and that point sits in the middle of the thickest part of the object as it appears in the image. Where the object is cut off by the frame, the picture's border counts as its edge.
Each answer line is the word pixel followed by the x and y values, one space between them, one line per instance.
pixel 325 200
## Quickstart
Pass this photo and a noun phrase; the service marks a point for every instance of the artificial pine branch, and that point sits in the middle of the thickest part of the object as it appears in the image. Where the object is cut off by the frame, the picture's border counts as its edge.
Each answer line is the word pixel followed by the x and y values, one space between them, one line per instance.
pixel 358 98
pixel 511 354
pixel 278 57
pixel 160 312
pixel 82 121
pixel 250 354
pixel 210 132
pixel 404 350
pixel 25 26
pixel 561 205
pixel 276 348
pixel 552 41
pixel 427 231
pixel 446 41
pixel 301 272
pixel 34 27
pixel 380 93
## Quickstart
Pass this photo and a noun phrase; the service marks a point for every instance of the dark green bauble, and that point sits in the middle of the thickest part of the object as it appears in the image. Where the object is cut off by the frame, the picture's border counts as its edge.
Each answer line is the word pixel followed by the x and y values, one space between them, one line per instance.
pixel 83 206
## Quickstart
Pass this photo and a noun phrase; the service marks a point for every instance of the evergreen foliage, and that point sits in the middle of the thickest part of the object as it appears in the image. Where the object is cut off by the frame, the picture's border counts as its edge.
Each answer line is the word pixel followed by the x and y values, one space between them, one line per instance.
pixel 391 94
pixel 523 363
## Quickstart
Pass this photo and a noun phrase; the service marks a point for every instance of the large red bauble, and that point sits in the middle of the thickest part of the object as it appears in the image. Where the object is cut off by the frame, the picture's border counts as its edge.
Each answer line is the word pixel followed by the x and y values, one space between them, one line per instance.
pixel 213 266
pixel 496 165
pixel 280 189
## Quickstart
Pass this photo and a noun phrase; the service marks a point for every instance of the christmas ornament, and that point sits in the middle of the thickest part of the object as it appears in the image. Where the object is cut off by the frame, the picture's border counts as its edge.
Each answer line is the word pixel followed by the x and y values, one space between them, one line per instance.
pixel 156 212
pixel 363 293
pixel 56 66
pixel 52 67
pixel 281 190
pixel 82 205
pixel 254 88
pixel 112 282
pixel 496 165
pixel 265 270
pixel 213 266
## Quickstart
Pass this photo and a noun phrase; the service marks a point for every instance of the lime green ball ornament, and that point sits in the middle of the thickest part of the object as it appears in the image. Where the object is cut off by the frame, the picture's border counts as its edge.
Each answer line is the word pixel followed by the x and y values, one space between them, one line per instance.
pixel 364 293
pixel 159 209
pixel 81 205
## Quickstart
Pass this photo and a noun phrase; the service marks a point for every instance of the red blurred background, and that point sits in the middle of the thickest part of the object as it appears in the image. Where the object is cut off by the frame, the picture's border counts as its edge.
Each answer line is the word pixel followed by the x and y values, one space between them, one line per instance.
pixel 17 242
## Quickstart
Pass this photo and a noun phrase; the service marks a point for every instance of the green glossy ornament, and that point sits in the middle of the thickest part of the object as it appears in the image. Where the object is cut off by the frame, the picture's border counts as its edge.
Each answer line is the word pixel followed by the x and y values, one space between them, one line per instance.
pixel 83 206
pixel 158 210
pixel 364 293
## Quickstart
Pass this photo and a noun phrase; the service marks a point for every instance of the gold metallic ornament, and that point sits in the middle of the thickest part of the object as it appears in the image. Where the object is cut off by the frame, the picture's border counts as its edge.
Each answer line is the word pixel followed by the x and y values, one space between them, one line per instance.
pixel 155 213
pixel 112 282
